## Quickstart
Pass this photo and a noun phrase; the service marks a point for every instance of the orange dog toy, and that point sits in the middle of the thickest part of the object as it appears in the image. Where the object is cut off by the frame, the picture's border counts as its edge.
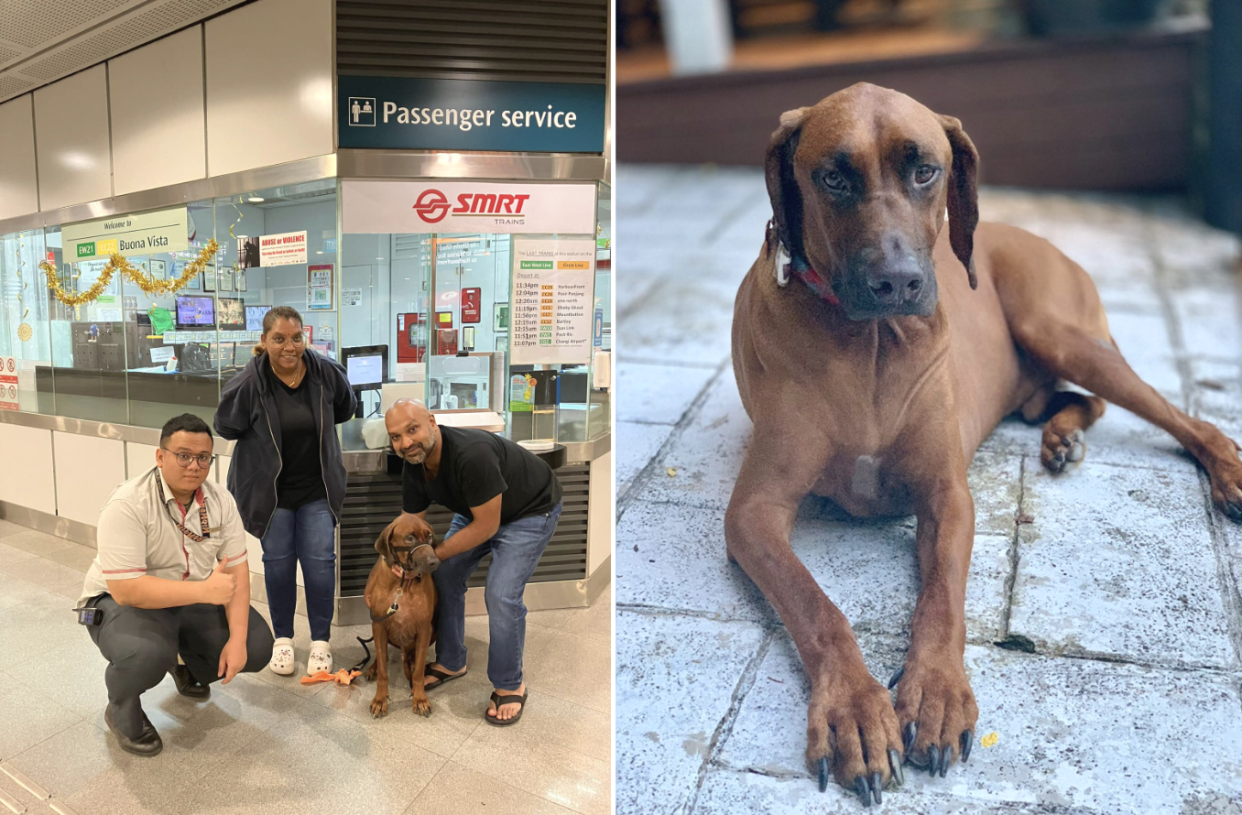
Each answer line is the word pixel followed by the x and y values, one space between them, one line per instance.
pixel 341 677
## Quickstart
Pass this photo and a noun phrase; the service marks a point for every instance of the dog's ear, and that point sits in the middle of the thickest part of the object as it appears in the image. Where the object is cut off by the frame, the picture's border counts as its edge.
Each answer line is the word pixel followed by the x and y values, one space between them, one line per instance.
pixel 782 187
pixel 963 195
pixel 383 544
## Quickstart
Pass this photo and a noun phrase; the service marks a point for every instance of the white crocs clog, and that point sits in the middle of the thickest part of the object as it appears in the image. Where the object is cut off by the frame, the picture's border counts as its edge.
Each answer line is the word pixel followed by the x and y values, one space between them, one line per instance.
pixel 320 658
pixel 282 657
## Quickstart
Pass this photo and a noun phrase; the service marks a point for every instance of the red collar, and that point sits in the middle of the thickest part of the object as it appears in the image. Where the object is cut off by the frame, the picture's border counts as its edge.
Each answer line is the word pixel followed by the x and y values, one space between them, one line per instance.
pixel 787 267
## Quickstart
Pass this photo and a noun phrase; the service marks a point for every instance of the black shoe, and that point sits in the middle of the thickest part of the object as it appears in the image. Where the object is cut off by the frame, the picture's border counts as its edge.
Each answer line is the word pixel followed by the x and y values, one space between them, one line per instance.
pixel 148 744
pixel 187 685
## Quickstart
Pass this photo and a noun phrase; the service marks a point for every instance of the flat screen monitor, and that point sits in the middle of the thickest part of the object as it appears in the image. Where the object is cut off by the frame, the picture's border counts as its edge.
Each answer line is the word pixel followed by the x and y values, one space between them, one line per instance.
pixel 242 353
pixel 195 311
pixel 232 316
pixel 366 365
pixel 254 317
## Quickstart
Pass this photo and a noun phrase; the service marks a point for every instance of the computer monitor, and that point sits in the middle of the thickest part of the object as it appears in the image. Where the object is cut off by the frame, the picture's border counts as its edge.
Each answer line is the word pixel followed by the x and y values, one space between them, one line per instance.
pixel 232 317
pixel 254 317
pixel 242 353
pixel 195 311
pixel 366 366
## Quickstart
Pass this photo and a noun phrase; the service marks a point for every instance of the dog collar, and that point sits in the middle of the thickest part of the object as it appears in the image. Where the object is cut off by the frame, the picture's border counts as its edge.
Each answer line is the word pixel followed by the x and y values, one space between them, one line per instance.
pixel 786 267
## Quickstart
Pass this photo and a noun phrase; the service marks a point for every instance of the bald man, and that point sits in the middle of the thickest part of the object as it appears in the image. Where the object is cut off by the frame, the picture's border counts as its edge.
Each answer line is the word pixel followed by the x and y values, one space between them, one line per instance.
pixel 506 501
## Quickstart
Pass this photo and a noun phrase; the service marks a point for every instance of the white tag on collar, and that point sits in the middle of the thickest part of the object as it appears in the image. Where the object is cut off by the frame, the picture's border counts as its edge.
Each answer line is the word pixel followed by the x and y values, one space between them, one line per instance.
pixel 783 260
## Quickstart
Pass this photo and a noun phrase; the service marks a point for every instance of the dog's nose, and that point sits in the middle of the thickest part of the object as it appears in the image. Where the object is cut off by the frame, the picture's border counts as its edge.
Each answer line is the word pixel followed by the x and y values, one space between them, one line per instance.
pixel 895 285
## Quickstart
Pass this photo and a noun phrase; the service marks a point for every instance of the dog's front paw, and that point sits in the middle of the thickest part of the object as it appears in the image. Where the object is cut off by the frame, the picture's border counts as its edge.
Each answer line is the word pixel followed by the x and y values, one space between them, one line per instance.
pixel 1225 470
pixel 852 734
pixel 1060 449
pixel 422 706
pixel 938 713
pixel 379 706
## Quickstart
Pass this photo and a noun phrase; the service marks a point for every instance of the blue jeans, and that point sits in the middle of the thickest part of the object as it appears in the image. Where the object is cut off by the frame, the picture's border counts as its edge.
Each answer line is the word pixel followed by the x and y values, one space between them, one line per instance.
pixel 304 535
pixel 515 549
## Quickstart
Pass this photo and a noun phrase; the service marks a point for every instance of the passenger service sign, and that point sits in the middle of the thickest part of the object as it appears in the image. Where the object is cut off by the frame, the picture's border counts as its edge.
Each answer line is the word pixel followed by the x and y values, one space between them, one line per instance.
pixel 405 207
pixel 460 114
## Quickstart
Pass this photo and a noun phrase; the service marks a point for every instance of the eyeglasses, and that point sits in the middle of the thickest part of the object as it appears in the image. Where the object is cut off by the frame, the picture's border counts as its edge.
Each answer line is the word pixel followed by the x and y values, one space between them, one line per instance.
pixel 296 339
pixel 184 459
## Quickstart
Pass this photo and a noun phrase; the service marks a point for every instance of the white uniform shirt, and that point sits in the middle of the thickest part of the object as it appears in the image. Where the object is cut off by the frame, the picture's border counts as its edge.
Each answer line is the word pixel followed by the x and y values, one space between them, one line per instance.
pixel 138 534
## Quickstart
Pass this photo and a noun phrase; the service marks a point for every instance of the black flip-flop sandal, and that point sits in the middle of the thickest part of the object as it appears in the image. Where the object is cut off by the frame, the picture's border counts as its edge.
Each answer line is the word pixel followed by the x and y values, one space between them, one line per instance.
pixel 499 700
pixel 440 676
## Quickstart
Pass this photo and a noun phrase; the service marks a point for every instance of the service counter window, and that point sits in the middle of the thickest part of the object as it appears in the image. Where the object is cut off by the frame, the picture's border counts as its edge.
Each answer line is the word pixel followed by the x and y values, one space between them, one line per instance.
pixel 163 330
pixel 494 319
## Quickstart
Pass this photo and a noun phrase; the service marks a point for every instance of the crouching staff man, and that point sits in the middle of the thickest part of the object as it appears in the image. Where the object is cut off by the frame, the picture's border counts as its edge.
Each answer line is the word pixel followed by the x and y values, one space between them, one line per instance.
pixel 507 502
pixel 170 580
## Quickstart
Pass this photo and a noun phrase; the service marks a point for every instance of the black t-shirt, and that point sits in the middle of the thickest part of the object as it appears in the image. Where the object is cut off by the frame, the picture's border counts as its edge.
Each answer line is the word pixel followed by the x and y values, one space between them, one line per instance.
pixel 475 467
pixel 301 475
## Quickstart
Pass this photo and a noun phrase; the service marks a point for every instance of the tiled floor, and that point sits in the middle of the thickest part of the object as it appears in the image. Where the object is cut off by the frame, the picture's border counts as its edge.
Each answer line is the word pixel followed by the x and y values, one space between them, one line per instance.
pixel 1124 583
pixel 269 744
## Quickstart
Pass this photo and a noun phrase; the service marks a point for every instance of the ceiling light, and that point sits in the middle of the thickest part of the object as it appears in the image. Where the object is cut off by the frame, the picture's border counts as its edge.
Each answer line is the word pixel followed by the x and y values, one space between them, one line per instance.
pixel 255 199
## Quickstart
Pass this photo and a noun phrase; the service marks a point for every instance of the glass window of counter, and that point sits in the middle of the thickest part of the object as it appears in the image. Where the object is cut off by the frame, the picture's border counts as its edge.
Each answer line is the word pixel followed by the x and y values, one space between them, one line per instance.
pixel 477 298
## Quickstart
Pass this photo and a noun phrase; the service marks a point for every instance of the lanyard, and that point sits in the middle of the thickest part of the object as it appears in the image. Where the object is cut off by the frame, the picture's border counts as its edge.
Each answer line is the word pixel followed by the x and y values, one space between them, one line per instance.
pixel 202 515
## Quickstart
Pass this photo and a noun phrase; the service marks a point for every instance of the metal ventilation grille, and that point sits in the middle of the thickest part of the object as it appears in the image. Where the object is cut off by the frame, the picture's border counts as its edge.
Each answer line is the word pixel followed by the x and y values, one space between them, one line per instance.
pixel 31 24
pixel 135 30
pixel 372 500
pixel 531 41
pixel 12 86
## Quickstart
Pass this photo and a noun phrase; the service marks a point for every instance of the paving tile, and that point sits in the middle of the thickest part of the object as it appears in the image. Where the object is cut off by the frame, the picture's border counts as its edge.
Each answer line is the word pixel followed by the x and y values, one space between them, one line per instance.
pixel 38 543
pixel 1210 321
pixel 636 445
pixel 1217 394
pixel 1119 562
pixel 15 591
pixel 459 789
pixel 1144 342
pixel 675 679
pixel 658 394
pixel 687 320
pixel 76 557
pixel 72 675
pixel 9 554
pixel 44 573
pixel 38 625
pixel 1076 735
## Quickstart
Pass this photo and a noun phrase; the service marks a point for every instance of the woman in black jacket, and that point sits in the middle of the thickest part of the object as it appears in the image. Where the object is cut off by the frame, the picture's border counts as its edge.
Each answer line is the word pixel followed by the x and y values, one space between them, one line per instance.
pixel 287 474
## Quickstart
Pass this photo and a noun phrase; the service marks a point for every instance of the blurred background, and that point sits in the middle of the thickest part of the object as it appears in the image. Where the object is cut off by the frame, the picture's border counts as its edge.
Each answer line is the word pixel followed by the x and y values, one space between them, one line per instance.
pixel 1121 95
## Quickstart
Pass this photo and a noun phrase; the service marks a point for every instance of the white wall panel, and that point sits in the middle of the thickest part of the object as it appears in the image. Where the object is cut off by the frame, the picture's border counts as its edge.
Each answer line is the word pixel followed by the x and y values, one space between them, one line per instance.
pixel 158 121
pixel 71 130
pixel 19 192
pixel 269 84
pixel 88 469
pixel 599 513
pixel 27 478
pixel 138 458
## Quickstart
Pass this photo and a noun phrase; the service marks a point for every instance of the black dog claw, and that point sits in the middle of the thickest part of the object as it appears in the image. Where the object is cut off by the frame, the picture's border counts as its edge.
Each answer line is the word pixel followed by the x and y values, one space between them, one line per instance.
pixel 894 764
pixel 892 683
pixel 933 753
pixel 864 792
pixel 907 738
pixel 823 774
pixel 946 758
pixel 876 786
pixel 968 739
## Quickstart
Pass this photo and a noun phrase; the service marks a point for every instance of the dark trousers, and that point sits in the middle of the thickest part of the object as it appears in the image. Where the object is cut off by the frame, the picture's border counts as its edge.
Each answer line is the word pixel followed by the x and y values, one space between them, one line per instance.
pixel 142 644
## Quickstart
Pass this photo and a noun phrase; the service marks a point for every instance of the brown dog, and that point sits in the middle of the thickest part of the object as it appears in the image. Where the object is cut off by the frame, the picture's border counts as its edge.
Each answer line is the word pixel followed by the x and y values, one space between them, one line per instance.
pixel 874 351
pixel 402 607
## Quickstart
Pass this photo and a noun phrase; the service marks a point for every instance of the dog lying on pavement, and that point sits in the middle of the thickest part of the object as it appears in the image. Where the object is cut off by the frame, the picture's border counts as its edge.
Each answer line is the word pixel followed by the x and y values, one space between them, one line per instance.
pixel 875 348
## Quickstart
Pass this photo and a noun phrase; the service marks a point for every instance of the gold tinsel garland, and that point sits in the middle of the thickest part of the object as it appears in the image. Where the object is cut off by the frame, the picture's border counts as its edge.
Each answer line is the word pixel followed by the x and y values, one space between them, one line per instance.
pixel 149 285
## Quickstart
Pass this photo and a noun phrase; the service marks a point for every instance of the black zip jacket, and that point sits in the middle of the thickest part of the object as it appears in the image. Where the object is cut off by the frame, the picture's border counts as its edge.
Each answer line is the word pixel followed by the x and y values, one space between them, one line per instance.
pixel 247 414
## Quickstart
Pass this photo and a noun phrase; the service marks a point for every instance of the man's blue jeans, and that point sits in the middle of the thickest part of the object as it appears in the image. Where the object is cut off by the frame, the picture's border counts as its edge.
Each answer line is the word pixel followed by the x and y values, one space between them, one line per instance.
pixel 515 549
pixel 304 535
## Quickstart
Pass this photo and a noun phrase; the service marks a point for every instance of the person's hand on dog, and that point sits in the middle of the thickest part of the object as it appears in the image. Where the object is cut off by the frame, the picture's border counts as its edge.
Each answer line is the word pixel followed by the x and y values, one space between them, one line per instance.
pixel 219 587
pixel 232 659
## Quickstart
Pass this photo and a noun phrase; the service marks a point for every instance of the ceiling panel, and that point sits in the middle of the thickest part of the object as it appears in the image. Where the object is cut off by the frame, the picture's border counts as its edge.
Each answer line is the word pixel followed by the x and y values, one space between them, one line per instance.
pixel 42 41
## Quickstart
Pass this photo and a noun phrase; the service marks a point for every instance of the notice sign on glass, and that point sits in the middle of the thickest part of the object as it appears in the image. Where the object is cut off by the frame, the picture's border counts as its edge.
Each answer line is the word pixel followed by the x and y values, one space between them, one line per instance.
pixel 552 299
pixel 288 249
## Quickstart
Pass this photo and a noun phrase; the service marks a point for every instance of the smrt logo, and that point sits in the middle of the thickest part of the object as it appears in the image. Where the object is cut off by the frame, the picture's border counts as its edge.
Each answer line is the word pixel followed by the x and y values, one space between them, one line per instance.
pixel 432 205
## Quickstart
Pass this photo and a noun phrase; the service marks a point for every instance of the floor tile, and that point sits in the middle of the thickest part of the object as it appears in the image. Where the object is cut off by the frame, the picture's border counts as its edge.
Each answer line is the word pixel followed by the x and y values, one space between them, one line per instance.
pixel 657 394
pixel 39 625
pixel 44 573
pixel 571 667
pixel 38 543
pixel 595 621
pixel 636 445
pixel 28 719
pixel 9 554
pixel 459 789
pixel 76 557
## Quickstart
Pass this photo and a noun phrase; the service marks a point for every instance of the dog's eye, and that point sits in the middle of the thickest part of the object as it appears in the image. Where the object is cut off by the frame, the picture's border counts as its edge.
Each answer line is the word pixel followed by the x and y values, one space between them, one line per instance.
pixel 834 181
pixel 924 174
